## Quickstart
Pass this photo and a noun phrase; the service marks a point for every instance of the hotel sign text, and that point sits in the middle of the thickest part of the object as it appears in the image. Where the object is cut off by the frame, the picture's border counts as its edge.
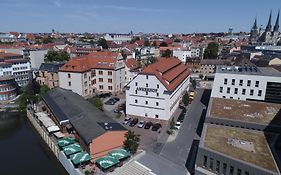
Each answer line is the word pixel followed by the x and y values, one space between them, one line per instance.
pixel 146 89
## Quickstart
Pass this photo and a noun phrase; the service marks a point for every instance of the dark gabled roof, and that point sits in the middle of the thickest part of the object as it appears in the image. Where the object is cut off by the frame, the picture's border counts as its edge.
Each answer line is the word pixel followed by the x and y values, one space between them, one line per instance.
pixel 88 121
pixel 51 67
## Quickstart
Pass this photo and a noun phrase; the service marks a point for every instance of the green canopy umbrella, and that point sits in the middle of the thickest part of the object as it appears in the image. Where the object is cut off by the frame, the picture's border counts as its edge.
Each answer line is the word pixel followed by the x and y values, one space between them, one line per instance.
pixel 119 154
pixel 80 157
pixel 107 161
pixel 65 141
pixel 71 149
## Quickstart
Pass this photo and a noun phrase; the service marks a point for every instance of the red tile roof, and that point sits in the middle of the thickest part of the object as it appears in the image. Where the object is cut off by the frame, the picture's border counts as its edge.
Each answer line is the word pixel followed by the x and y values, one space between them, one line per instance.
pixel 94 60
pixel 131 63
pixel 4 55
pixel 171 72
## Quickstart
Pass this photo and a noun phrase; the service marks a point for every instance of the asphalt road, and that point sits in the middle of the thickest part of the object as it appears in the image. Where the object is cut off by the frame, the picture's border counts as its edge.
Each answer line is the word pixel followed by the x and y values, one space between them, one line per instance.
pixel 178 150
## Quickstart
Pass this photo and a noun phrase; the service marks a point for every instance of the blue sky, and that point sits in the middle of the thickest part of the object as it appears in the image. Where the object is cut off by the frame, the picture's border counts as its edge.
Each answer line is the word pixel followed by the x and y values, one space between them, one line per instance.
pixel 163 16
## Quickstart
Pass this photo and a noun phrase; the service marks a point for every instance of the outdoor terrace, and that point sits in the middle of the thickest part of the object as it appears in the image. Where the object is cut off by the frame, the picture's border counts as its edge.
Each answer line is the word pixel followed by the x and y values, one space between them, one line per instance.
pixel 251 147
pixel 246 111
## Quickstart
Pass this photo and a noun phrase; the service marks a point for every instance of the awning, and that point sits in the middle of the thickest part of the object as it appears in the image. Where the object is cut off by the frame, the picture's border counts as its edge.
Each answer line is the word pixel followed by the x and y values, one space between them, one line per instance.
pixel 53 128
pixel 59 135
pixel 65 141
pixel 72 149
pixel 107 162
pixel 79 158
pixel 119 154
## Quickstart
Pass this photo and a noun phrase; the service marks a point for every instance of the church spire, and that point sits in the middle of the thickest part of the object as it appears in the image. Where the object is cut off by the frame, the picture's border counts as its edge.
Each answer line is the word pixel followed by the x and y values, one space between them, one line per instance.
pixel 268 27
pixel 255 24
pixel 276 26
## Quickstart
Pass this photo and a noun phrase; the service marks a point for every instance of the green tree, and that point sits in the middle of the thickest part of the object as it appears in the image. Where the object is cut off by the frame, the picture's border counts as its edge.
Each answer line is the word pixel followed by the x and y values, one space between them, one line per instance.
pixel 150 60
pixel 163 44
pixel 103 43
pixel 177 40
pixel 28 95
pixel 48 40
pixel 44 89
pixel 185 99
pixel 53 55
pixel 201 76
pixel 193 83
pixel 131 143
pixel 167 53
pixel 211 52
pixel 96 101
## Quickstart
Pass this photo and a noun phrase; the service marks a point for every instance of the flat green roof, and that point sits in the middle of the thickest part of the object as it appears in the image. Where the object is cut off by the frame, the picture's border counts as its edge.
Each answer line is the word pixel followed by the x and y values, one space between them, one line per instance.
pixel 65 141
pixel 119 154
pixel 107 161
pixel 71 149
pixel 80 157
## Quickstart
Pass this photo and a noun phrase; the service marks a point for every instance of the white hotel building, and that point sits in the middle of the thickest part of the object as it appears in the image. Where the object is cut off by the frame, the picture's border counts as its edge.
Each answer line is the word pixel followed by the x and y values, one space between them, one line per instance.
pixel 154 94
pixel 247 83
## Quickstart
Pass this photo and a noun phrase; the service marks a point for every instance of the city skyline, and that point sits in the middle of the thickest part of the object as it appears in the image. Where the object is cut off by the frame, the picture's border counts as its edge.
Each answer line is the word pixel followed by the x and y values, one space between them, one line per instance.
pixel 125 16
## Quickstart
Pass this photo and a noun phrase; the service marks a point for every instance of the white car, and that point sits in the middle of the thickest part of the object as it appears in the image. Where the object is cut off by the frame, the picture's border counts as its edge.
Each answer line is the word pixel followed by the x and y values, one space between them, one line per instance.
pixel 178 125
pixel 141 124
pixel 126 120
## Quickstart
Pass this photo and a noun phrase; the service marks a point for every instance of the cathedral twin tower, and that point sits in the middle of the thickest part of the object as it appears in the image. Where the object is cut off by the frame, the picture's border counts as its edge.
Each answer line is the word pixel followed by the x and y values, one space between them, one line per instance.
pixel 268 36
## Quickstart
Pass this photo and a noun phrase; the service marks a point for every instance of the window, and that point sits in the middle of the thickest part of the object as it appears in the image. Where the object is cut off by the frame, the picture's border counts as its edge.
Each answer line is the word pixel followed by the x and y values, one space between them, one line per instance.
pixel 109 80
pixel 223 96
pixel 224 167
pixel 145 114
pixel 246 173
pixel 69 83
pixel 205 161
pixel 236 91
pixel 157 103
pixel 136 101
pixel 109 73
pixel 241 83
pixel 231 170
pixel 86 91
pixel 85 83
pixel 109 87
pixel 225 81
pixel 259 93
pixel 100 79
pixel 94 81
pixel 156 116
pixel 221 89
pixel 233 82
pixel 249 83
pixel 228 90
pixel 157 86
pixel 238 171
pixel 243 91
pixel 211 163
pixel 101 86
pixel 68 75
pixel 136 83
pixel 157 94
pixel 85 75
pixel 146 85
pixel 252 92
pixel 257 84
pixel 146 93
pixel 146 102
pixel 146 76
pixel 136 92
pixel 218 166
pixel 100 72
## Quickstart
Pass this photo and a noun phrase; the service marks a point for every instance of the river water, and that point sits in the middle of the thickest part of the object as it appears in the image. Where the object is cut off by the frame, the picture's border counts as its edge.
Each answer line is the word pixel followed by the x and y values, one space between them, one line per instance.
pixel 22 152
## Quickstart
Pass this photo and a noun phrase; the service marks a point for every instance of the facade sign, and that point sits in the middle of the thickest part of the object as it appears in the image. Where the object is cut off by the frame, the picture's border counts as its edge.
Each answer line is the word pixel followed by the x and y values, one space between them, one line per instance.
pixel 146 89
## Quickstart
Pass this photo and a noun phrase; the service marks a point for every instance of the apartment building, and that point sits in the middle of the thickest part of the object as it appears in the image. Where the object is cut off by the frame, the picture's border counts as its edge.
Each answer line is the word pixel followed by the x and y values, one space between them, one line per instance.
pixel 17 66
pixel 154 94
pixel 247 83
pixel 97 72
pixel 131 69
pixel 48 74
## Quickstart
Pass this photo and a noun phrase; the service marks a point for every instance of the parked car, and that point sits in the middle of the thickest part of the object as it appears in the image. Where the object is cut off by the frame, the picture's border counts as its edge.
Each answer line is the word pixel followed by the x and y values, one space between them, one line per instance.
pixel 134 122
pixel 104 95
pixel 178 125
pixel 180 118
pixel 148 125
pixel 110 102
pixel 116 98
pixel 141 124
pixel 126 120
pixel 156 126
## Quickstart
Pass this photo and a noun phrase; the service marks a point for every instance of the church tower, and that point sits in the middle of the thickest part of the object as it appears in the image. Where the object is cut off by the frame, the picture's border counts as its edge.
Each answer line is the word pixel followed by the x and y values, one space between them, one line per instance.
pixel 254 32
pixel 275 34
pixel 268 30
